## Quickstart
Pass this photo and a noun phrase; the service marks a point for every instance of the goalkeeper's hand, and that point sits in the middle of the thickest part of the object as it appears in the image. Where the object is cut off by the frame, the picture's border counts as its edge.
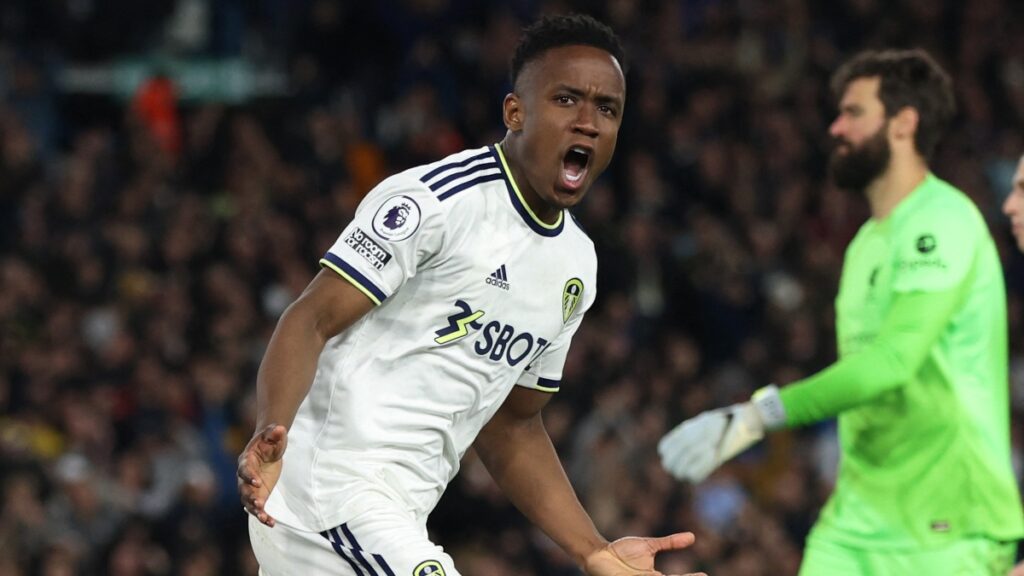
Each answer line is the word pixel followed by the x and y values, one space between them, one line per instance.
pixel 695 448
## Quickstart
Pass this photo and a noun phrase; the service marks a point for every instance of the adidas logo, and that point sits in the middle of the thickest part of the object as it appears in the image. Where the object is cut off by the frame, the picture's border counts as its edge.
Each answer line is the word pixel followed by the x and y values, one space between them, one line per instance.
pixel 499 278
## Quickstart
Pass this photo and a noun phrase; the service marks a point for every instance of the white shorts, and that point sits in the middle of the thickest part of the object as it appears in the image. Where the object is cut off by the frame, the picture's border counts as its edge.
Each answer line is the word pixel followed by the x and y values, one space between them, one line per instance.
pixel 382 541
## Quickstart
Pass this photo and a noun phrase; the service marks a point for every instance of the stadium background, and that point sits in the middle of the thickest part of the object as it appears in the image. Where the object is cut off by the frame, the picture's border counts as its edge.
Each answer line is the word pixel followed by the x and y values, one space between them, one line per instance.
pixel 170 173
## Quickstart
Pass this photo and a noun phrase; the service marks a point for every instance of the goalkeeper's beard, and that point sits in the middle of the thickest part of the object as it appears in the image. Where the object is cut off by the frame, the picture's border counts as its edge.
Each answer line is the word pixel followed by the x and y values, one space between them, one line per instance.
pixel 859 167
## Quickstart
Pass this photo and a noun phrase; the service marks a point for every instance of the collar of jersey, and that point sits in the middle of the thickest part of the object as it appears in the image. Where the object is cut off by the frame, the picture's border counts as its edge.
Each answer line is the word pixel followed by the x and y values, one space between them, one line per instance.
pixel 519 203
pixel 906 206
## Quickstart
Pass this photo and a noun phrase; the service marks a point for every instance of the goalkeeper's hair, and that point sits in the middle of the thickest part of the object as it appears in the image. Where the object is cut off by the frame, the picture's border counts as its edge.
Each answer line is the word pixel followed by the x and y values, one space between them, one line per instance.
pixel 564 30
pixel 907 78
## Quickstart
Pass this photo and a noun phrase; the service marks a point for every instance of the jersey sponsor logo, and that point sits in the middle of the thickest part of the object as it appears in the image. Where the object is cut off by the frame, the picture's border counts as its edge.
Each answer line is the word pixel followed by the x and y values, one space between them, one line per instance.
pixel 498 342
pixel 428 568
pixel 571 295
pixel 499 278
pixel 503 343
pixel 940 526
pixel 926 243
pixel 924 263
pixel 397 219
pixel 459 323
pixel 925 256
pixel 368 248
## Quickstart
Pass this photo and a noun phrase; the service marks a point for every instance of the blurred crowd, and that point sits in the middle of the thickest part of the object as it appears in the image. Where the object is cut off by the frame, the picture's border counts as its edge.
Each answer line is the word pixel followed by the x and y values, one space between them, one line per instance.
pixel 147 247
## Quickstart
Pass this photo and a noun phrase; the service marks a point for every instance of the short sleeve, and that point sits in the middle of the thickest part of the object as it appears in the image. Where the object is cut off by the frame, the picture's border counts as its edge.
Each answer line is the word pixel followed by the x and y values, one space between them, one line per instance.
pixel 544 373
pixel 396 228
pixel 935 249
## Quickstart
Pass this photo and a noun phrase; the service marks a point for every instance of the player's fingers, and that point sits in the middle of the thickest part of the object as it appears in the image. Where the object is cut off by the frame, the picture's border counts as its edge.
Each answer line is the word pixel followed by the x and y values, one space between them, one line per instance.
pixel 671 542
pixel 248 467
pixel 669 441
pixel 249 497
pixel 266 519
pixel 260 515
pixel 273 434
pixel 683 464
pixel 271 443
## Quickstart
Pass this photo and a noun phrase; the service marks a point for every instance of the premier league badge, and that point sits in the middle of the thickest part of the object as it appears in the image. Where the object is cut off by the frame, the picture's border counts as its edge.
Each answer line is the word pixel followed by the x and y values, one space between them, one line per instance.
pixel 397 219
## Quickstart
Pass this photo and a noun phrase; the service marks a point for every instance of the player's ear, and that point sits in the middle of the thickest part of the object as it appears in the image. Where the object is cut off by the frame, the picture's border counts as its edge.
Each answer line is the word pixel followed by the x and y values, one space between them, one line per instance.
pixel 512 112
pixel 904 124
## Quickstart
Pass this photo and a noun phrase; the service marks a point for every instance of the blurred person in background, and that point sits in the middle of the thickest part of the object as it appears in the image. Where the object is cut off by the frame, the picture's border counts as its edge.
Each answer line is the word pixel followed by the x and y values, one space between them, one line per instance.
pixel 925 483
pixel 442 319
pixel 1013 207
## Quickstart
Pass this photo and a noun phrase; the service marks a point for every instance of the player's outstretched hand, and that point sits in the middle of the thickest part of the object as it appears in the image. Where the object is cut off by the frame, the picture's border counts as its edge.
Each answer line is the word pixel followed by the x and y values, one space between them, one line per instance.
pixel 259 467
pixel 635 556
pixel 1018 570
pixel 695 448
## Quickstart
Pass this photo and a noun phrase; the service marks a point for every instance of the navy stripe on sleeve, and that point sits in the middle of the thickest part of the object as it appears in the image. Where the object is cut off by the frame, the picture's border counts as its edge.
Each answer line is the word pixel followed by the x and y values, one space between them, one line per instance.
pixel 470 184
pixel 356 275
pixel 453 165
pixel 436 186
pixel 549 385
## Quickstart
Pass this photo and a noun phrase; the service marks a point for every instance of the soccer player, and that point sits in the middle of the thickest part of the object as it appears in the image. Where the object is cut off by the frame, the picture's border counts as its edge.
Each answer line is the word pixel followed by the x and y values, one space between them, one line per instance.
pixel 925 484
pixel 1014 205
pixel 1014 208
pixel 442 318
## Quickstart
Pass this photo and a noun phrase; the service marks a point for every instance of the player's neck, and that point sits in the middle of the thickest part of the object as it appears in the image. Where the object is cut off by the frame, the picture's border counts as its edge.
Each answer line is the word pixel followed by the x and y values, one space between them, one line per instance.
pixel 895 184
pixel 544 211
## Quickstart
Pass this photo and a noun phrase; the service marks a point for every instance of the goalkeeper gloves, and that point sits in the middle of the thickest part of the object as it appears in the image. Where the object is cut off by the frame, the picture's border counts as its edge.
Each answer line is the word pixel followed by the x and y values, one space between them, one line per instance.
pixel 695 448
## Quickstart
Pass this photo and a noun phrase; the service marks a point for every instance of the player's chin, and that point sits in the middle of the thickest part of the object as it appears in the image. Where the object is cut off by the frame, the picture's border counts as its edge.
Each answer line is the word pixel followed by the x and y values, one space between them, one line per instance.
pixel 565 198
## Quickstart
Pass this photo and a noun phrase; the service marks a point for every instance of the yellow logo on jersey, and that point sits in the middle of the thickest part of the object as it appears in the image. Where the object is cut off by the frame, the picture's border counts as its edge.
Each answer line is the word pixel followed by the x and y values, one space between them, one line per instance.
pixel 428 568
pixel 571 295
pixel 459 323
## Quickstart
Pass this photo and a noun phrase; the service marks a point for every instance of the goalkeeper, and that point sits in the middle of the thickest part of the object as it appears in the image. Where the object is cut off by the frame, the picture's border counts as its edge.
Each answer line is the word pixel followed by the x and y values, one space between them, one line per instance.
pixel 925 484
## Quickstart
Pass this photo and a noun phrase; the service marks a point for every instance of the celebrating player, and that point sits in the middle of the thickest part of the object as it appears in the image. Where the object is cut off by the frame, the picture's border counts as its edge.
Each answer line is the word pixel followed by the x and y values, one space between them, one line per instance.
pixel 442 317
pixel 925 484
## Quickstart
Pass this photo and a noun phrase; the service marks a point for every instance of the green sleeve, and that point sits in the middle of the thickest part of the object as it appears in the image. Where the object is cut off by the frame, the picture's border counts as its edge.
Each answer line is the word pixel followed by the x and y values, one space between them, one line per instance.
pixel 911 327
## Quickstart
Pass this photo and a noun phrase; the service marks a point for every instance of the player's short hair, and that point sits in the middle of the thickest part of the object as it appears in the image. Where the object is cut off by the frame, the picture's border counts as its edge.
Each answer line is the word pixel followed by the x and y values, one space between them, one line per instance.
pixel 906 78
pixel 564 30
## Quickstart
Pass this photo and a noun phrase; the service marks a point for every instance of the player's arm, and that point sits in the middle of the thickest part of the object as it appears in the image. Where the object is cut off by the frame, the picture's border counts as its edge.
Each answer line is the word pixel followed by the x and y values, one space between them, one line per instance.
pixel 517 451
pixel 915 321
pixel 329 305
pixel 910 329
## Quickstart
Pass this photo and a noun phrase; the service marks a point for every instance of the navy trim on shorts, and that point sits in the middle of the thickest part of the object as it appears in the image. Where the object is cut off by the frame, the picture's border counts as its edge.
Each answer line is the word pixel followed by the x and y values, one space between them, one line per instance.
pixel 340 549
pixel 356 549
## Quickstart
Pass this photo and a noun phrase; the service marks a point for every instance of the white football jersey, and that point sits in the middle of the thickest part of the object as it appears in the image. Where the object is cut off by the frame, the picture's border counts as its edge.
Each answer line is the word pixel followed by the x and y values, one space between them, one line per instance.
pixel 475 295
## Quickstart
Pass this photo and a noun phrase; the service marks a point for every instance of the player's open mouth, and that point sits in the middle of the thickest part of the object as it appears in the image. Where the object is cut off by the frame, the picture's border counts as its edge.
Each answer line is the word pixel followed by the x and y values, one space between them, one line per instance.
pixel 574 166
